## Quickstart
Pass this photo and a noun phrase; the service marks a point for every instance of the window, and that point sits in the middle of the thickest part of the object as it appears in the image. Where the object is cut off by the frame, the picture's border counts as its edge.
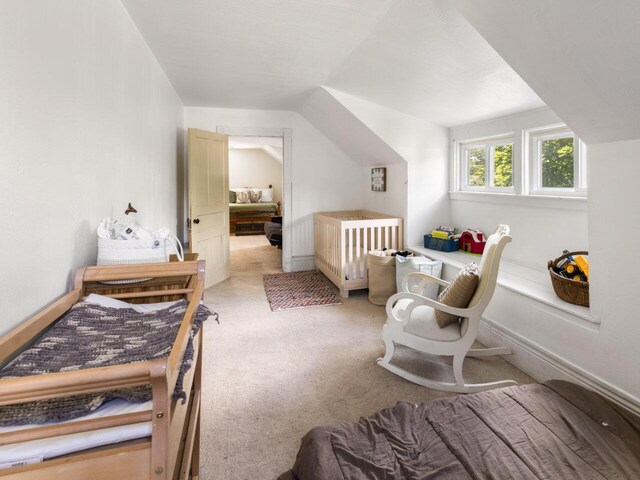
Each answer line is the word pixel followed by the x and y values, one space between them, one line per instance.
pixel 544 161
pixel 487 165
pixel 557 162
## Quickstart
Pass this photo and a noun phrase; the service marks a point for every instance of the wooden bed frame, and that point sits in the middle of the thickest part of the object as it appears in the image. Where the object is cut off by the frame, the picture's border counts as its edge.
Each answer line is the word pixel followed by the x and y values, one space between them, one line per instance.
pixel 172 451
pixel 251 216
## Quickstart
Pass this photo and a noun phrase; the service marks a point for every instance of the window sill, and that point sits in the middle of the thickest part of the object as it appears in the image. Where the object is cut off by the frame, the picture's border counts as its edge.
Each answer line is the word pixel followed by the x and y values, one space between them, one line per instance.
pixel 525 281
pixel 538 201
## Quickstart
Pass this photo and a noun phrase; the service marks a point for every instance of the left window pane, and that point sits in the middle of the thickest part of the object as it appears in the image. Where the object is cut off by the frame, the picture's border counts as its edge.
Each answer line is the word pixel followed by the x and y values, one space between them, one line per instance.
pixel 477 166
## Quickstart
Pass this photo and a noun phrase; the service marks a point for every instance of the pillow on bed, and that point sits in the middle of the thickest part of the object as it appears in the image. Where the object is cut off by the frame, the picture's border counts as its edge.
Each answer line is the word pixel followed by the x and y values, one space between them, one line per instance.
pixel 255 195
pixel 232 196
pixel 115 303
pixel 243 197
pixel 267 194
pixel 458 294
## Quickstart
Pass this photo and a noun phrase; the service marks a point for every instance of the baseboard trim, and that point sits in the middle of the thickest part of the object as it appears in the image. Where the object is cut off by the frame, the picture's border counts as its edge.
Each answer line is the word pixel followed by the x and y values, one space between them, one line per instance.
pixel 540 362
pixel 298 263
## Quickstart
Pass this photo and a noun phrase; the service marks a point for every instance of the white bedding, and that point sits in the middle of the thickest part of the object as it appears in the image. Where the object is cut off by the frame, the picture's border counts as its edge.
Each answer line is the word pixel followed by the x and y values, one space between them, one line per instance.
pixel 349 269
pixel 39 450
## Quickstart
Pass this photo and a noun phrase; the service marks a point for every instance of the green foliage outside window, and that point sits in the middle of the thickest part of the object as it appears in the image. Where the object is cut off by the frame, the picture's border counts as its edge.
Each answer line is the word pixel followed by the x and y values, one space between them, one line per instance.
pixel 503 166
pixel 557 163
pixel 477 159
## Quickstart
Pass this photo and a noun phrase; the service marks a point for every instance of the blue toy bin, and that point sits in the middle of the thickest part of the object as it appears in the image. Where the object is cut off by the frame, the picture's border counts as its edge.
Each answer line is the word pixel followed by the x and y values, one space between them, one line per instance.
pixel 441 244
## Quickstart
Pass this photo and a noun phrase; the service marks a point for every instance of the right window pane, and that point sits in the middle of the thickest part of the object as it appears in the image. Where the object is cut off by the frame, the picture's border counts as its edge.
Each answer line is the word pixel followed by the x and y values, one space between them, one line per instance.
pixel 556 157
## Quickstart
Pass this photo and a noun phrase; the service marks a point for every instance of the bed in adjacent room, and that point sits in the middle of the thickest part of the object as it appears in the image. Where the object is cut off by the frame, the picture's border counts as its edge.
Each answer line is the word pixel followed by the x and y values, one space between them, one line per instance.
pixel 551 430
pixel 249 217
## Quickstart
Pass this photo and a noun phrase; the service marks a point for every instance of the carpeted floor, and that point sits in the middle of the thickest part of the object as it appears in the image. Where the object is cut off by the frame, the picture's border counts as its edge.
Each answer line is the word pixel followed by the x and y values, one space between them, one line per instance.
pixel 269 377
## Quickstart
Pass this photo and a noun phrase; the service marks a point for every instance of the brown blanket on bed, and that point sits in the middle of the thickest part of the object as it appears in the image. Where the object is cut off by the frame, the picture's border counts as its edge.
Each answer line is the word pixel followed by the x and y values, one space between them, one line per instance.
pixel 556 430
pixel 89 336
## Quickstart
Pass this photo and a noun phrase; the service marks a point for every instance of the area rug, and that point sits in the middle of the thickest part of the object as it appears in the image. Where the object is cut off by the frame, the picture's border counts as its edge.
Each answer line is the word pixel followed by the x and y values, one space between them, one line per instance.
pixel 286 291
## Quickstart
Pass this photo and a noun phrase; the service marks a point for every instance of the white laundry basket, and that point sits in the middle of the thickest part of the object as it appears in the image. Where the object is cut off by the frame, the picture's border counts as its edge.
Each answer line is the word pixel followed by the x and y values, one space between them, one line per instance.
pixel 406 265
pixel 128 252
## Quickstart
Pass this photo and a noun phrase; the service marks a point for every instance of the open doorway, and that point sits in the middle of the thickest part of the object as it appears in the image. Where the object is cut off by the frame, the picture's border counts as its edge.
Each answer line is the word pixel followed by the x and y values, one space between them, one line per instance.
pixel 256 195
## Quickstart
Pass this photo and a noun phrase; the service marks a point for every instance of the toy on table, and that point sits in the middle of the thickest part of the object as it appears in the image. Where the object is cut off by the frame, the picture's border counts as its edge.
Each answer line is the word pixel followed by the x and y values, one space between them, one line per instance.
pixel 443 238
pixel 472 241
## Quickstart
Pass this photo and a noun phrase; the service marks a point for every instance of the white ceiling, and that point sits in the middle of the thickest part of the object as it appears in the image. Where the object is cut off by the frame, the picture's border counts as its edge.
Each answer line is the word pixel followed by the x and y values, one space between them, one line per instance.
pixel 584 62
pixel 263 54
pixel 424 59
pixel 419 57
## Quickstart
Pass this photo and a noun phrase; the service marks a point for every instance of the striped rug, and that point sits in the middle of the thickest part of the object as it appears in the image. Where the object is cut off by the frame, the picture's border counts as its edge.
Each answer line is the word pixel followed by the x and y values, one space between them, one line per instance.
pixel 286 291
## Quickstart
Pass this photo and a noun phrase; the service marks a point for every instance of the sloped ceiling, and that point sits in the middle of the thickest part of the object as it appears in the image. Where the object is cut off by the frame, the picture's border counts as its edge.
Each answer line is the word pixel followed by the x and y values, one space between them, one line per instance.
pixel 419 57
pixel 581 56
pixel 424 59
pixel 262 54
pixel 347 131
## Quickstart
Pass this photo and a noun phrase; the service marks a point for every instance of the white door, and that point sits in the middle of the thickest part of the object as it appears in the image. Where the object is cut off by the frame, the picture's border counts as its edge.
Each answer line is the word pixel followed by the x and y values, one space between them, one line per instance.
pixel 209 202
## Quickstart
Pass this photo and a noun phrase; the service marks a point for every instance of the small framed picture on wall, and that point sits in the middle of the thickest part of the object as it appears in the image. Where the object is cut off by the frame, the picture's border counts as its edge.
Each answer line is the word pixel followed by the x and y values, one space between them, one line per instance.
pixel 379 179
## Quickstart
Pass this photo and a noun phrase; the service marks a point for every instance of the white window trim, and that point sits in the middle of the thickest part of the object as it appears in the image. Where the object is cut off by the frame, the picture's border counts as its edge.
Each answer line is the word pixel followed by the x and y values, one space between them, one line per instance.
pixel 489 145
pixel 532 140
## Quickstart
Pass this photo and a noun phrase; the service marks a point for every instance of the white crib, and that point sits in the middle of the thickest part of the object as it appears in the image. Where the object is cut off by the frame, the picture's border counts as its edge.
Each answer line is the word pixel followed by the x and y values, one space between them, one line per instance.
pixel 343 239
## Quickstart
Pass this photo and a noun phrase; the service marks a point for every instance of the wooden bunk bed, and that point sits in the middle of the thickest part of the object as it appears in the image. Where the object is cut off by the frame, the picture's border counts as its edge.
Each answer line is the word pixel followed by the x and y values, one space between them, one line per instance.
pixel 172 449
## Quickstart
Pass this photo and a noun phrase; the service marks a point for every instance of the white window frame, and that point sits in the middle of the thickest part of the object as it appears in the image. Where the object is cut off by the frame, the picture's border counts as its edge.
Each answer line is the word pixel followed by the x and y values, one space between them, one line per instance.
pixel 488 144
pixel 534 138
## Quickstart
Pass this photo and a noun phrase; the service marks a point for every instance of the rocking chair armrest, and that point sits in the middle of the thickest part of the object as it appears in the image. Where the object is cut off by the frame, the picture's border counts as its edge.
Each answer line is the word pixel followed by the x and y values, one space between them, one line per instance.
pixel 426 278
pixel 417 300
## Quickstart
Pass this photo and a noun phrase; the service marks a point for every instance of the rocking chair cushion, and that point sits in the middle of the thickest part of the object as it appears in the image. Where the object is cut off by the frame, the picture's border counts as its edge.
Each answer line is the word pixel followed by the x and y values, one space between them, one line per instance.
pixel 458 294
pixel 423 323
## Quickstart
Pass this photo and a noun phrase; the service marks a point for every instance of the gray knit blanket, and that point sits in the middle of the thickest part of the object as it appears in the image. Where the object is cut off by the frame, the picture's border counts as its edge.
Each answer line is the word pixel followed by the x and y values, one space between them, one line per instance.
pixel 90 336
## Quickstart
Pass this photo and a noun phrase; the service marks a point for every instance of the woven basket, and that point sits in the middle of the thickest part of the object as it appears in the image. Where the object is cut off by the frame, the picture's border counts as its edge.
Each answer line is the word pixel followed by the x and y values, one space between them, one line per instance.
pixel 571 291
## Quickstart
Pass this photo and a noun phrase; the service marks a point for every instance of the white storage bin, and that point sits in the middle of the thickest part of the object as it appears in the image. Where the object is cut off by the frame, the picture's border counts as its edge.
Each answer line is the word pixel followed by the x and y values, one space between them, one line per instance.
pixel 406 265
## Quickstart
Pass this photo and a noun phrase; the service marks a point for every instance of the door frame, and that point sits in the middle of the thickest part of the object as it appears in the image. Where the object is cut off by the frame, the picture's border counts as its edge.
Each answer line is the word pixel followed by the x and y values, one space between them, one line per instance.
pixel 287 143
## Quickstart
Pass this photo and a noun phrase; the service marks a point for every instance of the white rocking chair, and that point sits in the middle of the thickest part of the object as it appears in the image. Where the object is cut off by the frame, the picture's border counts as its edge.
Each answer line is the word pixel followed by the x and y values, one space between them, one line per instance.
pixel 411 321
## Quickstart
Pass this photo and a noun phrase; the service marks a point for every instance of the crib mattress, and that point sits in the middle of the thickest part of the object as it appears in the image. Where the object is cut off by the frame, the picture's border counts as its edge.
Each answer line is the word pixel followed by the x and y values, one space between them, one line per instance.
pixel 39 450
pixel 354 271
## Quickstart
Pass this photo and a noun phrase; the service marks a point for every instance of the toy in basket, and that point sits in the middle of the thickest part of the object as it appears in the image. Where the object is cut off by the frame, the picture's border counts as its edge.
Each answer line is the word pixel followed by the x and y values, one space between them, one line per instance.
pixel 443 239
pixel 570 277
pixel 124 241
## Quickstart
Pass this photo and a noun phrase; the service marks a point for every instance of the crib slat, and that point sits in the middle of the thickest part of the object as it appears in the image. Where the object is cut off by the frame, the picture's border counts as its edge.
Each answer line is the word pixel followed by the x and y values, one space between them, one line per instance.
pixel 336 254
pixel 351 269
pixel 358 255
pixel 343 254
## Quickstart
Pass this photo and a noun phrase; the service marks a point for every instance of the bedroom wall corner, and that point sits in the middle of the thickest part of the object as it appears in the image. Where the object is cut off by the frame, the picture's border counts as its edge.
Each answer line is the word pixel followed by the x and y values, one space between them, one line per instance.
pixel 393 201
pixel 423 147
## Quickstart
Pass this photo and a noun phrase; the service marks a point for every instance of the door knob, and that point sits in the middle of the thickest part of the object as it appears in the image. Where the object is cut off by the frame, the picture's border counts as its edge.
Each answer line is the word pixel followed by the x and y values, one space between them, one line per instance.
pixel 196 220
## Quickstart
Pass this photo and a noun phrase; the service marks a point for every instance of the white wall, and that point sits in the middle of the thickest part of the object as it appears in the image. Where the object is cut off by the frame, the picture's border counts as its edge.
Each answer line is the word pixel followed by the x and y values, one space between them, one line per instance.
pixel 424 147
pixel 89 122
pixel 541 229
pixel 613 176
pixel 394 200
pixel 323 177
pixel 252 167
